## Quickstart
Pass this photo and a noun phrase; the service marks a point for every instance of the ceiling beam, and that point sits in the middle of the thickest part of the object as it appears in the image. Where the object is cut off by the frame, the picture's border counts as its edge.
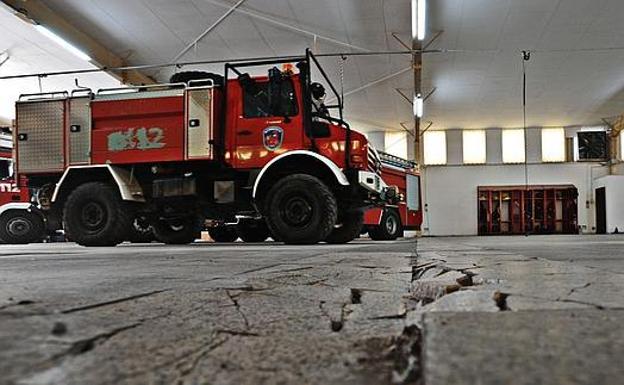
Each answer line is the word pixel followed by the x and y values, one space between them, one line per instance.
pixel 270 20
pixel 371 84
pixel 37 12
pixel 208 30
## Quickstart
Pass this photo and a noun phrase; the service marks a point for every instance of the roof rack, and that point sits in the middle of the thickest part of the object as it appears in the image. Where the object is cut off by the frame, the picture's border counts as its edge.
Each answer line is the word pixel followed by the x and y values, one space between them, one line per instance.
pixel 396 160
pixel 43 96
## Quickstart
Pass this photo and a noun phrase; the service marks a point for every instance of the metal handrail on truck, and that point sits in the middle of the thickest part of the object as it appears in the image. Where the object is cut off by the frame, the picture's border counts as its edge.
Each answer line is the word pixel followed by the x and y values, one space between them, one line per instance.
pixel 396 161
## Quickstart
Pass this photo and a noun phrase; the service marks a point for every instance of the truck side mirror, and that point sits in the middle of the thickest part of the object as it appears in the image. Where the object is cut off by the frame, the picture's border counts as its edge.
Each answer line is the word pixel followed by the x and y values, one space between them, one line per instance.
pixel 319 130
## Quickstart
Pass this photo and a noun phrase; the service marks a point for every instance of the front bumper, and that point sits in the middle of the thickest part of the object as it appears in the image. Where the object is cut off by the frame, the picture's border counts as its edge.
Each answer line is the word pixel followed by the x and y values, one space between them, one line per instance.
pixel 371 181
pixel 376 187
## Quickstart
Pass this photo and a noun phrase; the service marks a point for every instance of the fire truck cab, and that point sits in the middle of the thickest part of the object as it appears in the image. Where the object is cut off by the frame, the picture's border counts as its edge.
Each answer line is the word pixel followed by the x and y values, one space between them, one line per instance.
pixel 202 149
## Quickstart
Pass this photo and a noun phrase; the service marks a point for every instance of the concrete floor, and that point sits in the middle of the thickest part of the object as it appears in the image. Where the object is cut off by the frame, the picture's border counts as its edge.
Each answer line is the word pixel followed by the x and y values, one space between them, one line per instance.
pixel 597 251
pixel 363 313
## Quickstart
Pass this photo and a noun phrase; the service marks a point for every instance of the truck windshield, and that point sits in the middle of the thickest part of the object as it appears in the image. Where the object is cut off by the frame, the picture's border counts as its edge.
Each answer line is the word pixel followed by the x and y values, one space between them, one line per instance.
pixel 257 101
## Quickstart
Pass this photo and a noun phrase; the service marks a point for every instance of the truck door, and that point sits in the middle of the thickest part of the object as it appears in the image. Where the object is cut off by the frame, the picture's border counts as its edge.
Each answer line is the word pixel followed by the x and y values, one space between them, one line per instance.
pixel 269 120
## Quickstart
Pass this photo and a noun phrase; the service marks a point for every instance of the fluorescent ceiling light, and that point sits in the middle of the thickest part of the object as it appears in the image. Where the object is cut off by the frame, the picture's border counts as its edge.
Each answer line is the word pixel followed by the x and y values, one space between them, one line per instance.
pixel 419 106
pixel 419 19
pixel 63 43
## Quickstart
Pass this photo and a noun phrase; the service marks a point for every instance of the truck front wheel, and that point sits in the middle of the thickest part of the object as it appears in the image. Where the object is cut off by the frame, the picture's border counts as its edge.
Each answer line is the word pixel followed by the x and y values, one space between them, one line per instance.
pixel 301 209
pixel 21 227
pixel 389 228
pixel 178 231
pixel 95 215
pixel 349 228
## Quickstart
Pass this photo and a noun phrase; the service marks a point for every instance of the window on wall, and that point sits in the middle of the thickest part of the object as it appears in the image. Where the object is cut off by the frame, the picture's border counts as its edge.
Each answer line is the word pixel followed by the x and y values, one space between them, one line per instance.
pixel 553 145
pixel 396 144
pixel 513 146
pixel 474 146
pixel 434 143
pixel 592 145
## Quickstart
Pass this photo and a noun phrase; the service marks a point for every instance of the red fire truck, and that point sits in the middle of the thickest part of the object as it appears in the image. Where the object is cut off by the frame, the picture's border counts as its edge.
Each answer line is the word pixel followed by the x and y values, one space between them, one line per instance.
pixel 389 222
pixel 258 151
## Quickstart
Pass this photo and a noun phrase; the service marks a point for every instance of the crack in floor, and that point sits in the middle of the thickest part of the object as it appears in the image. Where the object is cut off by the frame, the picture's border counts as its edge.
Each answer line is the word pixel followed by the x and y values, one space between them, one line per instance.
pixel 83 346
pixel 112 302
pixel 238 308
pixel 575 289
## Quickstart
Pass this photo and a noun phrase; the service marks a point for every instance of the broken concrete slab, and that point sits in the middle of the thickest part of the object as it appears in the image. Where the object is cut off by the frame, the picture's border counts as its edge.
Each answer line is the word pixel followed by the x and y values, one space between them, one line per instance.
pixel 524 348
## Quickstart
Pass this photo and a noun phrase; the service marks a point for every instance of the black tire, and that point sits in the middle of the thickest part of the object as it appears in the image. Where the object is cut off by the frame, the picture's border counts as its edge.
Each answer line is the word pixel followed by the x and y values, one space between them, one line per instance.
pixel 180 231
pixel 142 230
pixel 187 76
pixel 95 215
pixel 18 227
pixel 223 234
pixel 301 209
pixel 349 228
pixel 253 230
pixel 390 227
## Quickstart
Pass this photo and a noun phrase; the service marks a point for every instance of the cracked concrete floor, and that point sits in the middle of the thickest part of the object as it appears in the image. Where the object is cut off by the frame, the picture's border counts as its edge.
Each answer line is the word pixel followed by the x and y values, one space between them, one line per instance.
pixel 466 310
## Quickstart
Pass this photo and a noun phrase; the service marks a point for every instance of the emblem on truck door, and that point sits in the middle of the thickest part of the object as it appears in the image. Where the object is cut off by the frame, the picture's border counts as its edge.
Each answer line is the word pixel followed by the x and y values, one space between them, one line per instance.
pixel 136 139
pixel 272 137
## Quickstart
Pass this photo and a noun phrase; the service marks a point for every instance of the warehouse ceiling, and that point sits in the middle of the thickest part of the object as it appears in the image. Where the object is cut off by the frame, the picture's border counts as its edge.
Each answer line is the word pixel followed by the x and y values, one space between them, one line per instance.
pixel 24 50
pixel 570 81
pixel 156 31
pixel 477 84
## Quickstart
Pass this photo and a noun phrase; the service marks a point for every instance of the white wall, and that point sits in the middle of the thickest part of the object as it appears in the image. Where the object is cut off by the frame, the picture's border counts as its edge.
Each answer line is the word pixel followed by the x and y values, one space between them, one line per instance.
pixel 450 192
pixel 614 191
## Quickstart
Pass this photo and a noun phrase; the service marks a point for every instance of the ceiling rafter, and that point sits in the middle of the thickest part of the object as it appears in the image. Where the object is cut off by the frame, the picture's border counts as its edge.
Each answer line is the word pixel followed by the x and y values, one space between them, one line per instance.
pixel 270 20
pixel 208 30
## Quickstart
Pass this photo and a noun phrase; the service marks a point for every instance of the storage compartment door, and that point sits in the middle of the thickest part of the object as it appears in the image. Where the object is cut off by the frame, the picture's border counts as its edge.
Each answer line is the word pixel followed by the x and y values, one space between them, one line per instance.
pixel 79 131
pixel 413 192
pixel 199 124
pixel 40 136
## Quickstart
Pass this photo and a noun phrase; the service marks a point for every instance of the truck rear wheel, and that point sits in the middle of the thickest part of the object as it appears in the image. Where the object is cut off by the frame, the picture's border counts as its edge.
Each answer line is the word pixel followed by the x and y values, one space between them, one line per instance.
pixel 301 209
pixel 389 228
pixel 179 231
pixel 253 230
pixel 349 228
pixel 223 234
pixel 95 215
pixel 21 227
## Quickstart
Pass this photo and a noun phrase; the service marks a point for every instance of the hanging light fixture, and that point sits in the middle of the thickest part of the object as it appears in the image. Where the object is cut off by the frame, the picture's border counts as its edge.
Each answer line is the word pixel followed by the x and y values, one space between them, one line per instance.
pixel 419 19
pixel 419 105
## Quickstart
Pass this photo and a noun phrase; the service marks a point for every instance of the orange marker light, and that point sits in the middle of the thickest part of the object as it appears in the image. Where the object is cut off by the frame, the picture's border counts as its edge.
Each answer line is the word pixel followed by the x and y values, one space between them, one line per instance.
pixel 288 68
